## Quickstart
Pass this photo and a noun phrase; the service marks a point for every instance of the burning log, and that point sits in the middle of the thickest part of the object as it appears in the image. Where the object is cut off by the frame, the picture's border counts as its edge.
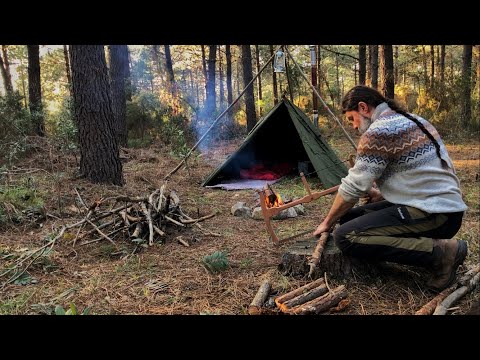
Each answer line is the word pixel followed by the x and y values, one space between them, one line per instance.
pixel 255 307
pixel 322 303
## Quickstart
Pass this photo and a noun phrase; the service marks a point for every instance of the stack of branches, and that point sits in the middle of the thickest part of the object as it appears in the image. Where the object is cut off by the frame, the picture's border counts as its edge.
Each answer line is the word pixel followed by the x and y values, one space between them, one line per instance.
pixel 138 219
pixel 313 298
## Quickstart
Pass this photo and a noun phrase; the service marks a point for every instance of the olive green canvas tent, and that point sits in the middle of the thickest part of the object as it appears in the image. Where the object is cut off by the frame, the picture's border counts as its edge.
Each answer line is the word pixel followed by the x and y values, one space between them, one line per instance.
pixel 284 136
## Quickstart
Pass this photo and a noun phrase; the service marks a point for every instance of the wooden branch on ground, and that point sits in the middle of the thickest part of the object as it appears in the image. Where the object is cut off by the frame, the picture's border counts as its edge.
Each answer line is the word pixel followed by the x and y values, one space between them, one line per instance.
pixel 255 307
pixel 321 303
pixel 317 253
pixel 193 221
pixel 429 307
pixel 146 210
pixel 443 307
pixel 306 297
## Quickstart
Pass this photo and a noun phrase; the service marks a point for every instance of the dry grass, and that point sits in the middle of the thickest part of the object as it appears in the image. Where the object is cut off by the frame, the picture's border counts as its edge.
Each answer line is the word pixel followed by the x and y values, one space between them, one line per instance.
pixel 170 278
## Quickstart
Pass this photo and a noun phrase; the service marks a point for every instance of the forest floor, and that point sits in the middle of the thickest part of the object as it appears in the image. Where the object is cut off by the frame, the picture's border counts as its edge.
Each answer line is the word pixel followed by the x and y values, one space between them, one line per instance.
pixel 169 278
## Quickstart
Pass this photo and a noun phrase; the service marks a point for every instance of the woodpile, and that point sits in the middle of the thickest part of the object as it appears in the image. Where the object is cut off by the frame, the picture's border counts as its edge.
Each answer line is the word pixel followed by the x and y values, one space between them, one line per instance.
pixel 138 219
pixel 313 298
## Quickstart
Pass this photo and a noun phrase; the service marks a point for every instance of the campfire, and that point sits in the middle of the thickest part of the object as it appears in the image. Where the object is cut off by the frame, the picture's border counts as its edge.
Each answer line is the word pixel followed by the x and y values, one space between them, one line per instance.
pixel 271 198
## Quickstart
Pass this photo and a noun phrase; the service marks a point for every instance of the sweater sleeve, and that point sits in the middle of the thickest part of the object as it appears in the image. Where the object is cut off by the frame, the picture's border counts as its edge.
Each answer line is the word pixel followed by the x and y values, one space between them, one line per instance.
pixel 373 156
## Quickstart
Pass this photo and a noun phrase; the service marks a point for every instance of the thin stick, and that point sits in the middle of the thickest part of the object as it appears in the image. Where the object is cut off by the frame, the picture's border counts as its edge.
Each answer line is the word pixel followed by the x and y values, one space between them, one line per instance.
pixel 146 211
pixel 102 234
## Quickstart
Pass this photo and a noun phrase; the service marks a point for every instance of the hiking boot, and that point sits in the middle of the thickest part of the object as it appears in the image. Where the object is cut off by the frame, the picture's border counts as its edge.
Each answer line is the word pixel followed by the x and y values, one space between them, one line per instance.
pixel 448 256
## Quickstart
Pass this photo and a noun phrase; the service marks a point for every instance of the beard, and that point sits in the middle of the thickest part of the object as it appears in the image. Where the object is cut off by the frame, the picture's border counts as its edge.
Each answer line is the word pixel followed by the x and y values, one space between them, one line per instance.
pixel 365 123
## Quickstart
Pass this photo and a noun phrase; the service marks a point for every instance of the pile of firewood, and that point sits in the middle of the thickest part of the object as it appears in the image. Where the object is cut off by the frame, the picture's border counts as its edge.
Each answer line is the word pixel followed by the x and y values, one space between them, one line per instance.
pixel 137 218
pixel 313 298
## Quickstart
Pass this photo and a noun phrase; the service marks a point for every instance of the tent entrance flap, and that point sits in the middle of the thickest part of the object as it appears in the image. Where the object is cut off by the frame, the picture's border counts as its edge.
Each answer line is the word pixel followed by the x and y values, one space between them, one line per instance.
pixel 280 144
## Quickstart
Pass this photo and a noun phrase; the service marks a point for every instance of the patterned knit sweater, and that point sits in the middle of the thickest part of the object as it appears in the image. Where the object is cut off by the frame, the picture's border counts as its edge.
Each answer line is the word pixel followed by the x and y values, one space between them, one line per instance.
pixel 396 154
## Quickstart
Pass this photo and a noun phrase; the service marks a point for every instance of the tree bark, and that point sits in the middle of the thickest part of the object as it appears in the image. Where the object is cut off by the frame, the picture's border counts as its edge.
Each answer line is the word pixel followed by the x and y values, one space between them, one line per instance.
pixel 210 104
pixel 228 56
pixel 274 79
pixel 259 81
pixel 388 86
pixel 67 69
pixel 395 55
pixel 220 79
pixel 466 85
pixel 205 74
pixel 35 90
pixel 118 60
pixel 432 67
pixel 8 75
pixel 442 66
pixel 362 64
pixel 478 83
pixel 99 151
pixel 169 66
pixel 247 77
pixel 374 66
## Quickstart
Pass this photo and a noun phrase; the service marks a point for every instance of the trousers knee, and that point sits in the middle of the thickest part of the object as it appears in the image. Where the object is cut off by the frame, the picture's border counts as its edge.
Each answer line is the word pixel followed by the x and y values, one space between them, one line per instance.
pixel 341 241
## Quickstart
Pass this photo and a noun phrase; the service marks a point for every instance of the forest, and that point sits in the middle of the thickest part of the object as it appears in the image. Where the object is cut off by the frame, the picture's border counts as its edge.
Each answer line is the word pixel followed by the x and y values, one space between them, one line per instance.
pixel 105 149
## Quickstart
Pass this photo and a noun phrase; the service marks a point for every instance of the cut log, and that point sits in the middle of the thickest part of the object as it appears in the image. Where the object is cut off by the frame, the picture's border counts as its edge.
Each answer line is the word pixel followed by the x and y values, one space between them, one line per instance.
pixel 303 289
pixel 321 303
pixel 306 297
pixel 255 307
pixel 295 261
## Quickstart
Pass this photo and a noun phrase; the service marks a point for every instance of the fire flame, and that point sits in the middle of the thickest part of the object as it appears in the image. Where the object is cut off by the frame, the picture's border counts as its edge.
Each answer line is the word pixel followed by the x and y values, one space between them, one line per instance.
pixel 272 199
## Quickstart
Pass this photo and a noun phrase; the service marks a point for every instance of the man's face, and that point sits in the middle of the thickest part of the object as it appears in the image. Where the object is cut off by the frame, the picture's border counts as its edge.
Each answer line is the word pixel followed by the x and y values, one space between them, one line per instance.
pixel 359 122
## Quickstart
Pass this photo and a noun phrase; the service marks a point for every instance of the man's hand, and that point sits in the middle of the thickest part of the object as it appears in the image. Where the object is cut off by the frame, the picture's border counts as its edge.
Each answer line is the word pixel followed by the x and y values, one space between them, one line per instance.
pixel 323 227
pixel 375 195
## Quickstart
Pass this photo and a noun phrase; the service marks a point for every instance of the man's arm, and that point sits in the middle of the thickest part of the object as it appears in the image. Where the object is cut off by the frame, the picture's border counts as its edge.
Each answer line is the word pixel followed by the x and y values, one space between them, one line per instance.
pixel 339 208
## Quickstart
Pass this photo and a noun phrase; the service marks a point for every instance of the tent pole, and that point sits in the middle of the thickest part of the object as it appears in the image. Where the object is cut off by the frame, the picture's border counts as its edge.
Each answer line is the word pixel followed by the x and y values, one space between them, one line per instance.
pixel 323 102
pixel 218 118
pixel 313 63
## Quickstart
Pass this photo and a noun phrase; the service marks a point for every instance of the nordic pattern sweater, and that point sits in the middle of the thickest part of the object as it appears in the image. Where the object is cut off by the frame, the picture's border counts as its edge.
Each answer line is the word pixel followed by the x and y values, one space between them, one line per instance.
pixel 396 154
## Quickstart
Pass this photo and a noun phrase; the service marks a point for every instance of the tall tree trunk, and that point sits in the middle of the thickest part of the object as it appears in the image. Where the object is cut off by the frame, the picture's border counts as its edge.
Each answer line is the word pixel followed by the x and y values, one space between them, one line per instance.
pixel 442 65
pixel 67 69
pixel 319 71
pixel 35 90
pixel 425 67
pixel 274 79
pixel 478 84
pixel 118 60
pixel 396 80
pixel 220 78
pixel 6 63
pixel 466 85
pixel 337 79
pixel 169 66
pixel 432 67
pixel 259 81
pixel 247 77
pixel 204 67
pixel 362 64
pixel 5 68
pixel 99 151
pixel 157 66
pixel 374 66
pixel 210 106
pixel 388 86
pixel 228 56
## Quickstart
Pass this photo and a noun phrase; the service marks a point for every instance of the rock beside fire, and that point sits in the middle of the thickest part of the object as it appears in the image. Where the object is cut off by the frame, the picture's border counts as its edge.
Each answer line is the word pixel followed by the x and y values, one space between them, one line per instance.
pixel 241 209
pixel 287 213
